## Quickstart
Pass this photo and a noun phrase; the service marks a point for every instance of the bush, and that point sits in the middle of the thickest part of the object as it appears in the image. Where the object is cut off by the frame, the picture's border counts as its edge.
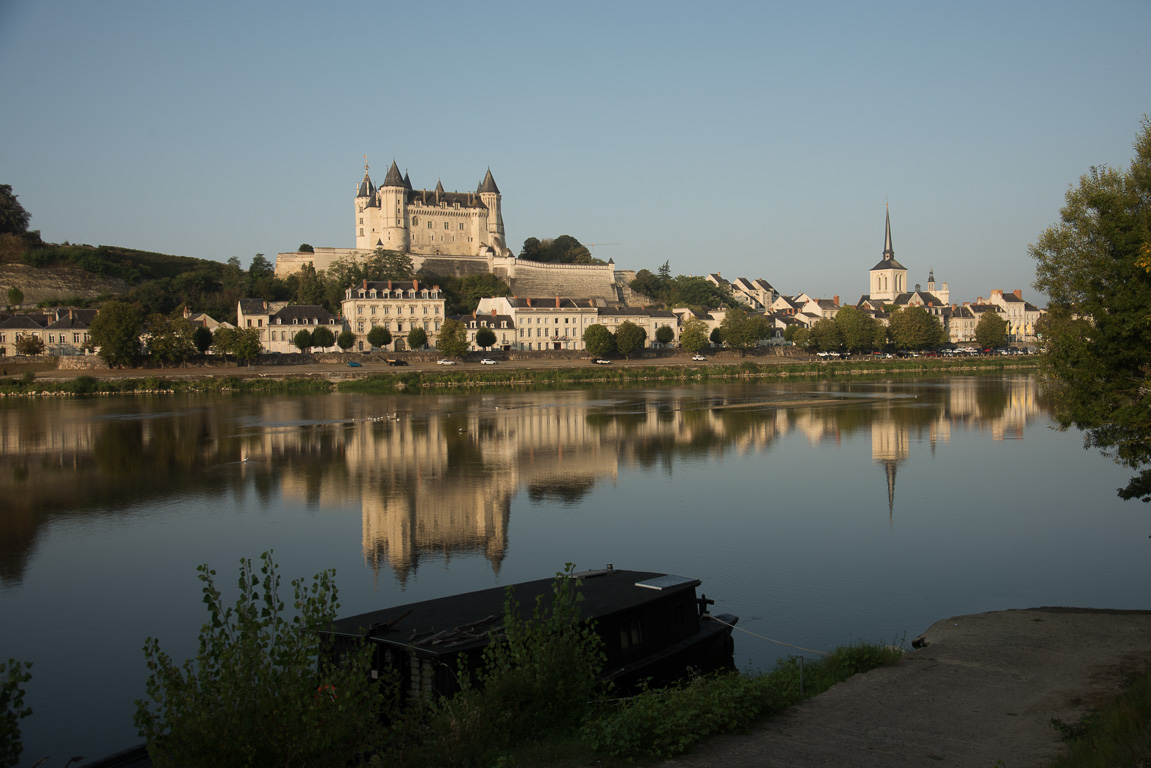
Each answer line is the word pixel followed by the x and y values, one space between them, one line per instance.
pixel 13 675
pixel 538 681
pixel 253 694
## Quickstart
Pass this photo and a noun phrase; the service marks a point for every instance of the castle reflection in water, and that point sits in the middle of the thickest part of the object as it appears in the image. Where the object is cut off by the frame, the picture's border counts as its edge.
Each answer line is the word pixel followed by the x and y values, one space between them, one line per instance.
pixel 436 475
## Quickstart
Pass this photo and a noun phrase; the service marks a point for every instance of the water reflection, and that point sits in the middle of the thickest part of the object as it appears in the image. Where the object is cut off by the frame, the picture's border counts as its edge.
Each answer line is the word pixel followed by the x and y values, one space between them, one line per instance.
pixel 436 475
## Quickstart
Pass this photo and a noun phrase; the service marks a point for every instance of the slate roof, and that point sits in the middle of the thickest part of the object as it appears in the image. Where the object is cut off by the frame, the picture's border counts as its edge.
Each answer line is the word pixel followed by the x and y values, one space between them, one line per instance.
pixel 488 184
pixel 303 314
pixel 393 179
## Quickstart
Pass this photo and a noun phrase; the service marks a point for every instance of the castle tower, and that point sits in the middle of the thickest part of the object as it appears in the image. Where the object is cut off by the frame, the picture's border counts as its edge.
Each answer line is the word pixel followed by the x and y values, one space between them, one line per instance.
pixel 366 206
pixel 888 277
pixel 490 196
pixel 393 231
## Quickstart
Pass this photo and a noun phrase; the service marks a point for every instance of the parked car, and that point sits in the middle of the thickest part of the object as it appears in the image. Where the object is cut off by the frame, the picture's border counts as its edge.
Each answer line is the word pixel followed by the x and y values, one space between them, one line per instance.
pixel 446 361
pixel 394 361
pixel 698 358
pixel 354 364
pixel 488 361
pixel 601 361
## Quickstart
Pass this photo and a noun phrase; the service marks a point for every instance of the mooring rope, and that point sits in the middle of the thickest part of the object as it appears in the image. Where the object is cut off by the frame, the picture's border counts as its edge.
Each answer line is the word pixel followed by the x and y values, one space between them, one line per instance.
pixel 768 639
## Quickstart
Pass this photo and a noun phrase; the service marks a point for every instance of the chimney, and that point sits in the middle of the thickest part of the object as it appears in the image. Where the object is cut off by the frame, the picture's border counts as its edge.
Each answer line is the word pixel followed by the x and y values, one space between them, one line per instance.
pixel 365 285
pixel 493 311
pixel 557 302
pixel 389 285
pixel 835 299
pixel 1018 293
pixel 529 301
pixel 415 285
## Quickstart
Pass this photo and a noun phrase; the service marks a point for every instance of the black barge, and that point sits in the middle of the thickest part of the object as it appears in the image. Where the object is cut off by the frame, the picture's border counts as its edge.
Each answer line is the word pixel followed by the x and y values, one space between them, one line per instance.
pixel 653 626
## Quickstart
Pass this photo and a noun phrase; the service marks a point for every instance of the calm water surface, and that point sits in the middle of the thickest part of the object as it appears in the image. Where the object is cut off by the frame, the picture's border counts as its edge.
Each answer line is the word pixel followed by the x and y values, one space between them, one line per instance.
pixel 819 513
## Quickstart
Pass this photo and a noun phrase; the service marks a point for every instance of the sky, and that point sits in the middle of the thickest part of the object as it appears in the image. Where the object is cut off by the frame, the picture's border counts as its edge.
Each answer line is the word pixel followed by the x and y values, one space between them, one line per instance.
pixel 758 140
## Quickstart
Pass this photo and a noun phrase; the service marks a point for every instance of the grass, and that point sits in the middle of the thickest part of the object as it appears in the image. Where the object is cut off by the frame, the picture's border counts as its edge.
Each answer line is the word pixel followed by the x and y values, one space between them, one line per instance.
pixel 652 725
pixel 1116 735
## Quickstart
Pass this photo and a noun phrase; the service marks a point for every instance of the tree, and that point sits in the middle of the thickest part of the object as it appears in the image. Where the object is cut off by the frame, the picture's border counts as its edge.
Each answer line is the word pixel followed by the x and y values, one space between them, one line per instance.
pixel 246 345
pixel 991 330
pixel 716 336
pixel 260 267
pixel 629 337
pixel 485 337
pixel 170 339
pixel 323 337
pixel 1095 265
pixel 387 265
pixel 665 334
pixel 741 330
pixel 15 297
pixel 13 675
pixel 693 337
pixel 202 339
pixel 256 691
pixel 223 340
pixel 665 271
pixel 13 218
pixel 346 340
pixel 379 336
pixel 915 328
pixel 857 329
pixel 116 331
pixel 305 248
pixel 453 338
pixel 825 336
pixel 311 286
pixel 303 340
pixel 598 340
pixel 417 338
pixel 29 344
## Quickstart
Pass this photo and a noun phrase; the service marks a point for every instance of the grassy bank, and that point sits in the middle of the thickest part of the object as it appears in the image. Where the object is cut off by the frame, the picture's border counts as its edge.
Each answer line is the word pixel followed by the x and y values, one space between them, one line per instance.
pixel 516 377
pixel 1116 734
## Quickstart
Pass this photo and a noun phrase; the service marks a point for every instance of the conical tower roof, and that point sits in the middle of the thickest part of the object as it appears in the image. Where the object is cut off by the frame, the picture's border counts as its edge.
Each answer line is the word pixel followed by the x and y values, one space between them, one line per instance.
pixel 367 189
pixel 488 184
pixel 888 261
pixel 393 179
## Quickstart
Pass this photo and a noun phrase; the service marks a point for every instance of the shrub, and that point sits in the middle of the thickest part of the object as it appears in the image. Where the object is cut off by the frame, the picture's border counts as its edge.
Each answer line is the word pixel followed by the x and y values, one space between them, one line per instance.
pixel 253 694
pixel 82 385
pixel 13 675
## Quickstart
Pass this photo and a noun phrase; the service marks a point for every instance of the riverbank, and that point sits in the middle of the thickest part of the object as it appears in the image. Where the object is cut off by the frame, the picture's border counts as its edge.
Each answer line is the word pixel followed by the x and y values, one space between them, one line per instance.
pixel 372 374
pixel 983 690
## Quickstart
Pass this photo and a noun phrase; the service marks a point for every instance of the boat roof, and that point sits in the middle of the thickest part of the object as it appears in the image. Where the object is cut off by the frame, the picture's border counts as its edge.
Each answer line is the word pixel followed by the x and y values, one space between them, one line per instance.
pixel 459 622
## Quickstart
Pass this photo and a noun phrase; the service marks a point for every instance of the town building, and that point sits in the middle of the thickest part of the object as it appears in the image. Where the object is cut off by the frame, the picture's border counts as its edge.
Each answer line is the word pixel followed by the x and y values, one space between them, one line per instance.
pixel 64 330
pixel 399 306
pixel 278 322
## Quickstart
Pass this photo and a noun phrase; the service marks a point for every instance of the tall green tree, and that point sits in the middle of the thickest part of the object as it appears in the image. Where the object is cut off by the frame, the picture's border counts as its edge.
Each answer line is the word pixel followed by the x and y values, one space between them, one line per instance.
pixel 246 345
pixel 485 337
pixel 629 337
pixel 665 334
pixel 742 330
pixel 826 336
pixel 223 342
pixel 417 338
pixel 346 340
pixel 1095 265
pixel 303 340
pixel 311 286
pixel 598 340
pixel 15 297
pixel 857 329
pixel 116 331
pixel 170 339
pixel 379 336
pixel 915 328
pixel 453 338
pixel 30 344
pixel 323 337
pixel 693 337
pixel 991 330
pixel 13 218
pixel 202 338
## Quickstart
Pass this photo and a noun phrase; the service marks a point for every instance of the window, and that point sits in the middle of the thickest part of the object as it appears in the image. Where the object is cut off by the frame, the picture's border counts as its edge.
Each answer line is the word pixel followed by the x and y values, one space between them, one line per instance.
pixel 461 227
pixel 445 226
pixel 359 309
pixel 373 309
pixel 429 225
pixel 630 634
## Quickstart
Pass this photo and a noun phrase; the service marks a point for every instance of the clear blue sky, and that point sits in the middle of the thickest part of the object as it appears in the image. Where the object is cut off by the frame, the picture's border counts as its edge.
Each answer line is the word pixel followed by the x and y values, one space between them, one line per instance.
pixel 756 139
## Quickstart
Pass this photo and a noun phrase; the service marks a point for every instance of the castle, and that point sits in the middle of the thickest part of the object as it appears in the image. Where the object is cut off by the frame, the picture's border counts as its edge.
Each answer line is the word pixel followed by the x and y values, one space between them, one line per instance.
pixel 437 223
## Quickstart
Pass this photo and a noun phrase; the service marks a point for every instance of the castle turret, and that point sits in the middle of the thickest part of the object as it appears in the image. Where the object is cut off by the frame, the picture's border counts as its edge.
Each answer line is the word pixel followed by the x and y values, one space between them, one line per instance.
pixel 490 196
pixel 391 231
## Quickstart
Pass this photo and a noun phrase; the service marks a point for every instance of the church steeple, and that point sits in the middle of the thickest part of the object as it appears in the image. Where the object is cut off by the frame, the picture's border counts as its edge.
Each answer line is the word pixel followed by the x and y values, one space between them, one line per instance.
pixel 888 249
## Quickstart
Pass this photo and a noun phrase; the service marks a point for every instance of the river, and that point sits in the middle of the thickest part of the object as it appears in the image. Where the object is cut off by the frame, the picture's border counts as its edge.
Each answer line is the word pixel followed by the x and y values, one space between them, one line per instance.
pixel 820 513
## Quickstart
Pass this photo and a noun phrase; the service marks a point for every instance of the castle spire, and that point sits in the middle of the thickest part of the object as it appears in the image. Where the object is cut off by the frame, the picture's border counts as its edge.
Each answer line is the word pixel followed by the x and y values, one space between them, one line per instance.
pixel 488 184
pixel 393 179
pixel 366 188
pixel 888 249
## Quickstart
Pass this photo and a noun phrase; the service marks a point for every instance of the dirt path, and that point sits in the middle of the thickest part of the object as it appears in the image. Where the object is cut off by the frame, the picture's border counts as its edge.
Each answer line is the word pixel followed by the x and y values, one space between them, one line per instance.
pixel 984 688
